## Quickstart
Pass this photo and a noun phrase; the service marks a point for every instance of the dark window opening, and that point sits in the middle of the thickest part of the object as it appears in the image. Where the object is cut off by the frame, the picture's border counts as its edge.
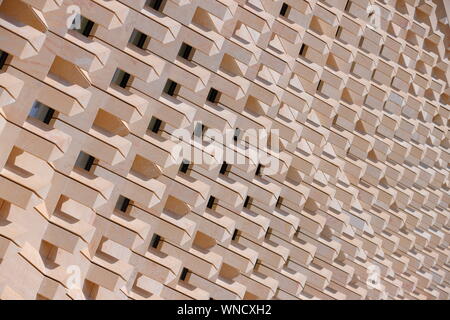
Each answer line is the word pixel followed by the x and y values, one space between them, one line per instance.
pixel 156 239
pixel 155 125
pixel 257 264
pixel 319 86
pixel 268 233
pixel 121 78
pixel 199 129
pixel 284 10
pixel 124 81
pixel 224 168
pixel 247 202
pixel 236 235
pixel 297 232
pixel 184 274
pixel 123 203
pixel 157 5
pixel 3 57
pixel 171 87
pixel 258 170
pixel 186 51
pixel 138 39
pixel 211 202
pixel 184 167
pixel 213 95
pixel 302 50
pixel 84 161
pixel 279 202
pixel 86 25
pixel 41 112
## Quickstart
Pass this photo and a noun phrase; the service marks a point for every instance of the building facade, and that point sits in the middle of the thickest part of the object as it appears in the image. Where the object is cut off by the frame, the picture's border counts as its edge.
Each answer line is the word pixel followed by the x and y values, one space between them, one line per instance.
pixel 224 149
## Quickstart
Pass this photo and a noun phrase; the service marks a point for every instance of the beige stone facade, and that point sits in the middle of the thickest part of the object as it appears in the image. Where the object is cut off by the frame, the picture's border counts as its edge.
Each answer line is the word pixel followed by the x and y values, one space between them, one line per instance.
pixel 349 99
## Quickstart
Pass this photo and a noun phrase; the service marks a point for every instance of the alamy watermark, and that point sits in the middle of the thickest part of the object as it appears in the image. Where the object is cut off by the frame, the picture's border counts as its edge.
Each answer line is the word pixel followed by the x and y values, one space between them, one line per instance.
pixel 374 281
pixel 211 146
pixel 73 21
pixel 73 282
pixel 374 13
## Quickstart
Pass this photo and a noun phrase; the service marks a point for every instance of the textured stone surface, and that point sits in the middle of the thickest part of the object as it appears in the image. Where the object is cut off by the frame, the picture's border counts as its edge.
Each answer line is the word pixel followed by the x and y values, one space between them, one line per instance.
pixel 356 99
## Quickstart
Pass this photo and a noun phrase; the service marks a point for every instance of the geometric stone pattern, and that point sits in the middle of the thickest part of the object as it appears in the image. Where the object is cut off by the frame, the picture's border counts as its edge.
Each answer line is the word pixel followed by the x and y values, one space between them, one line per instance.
pixel 94 205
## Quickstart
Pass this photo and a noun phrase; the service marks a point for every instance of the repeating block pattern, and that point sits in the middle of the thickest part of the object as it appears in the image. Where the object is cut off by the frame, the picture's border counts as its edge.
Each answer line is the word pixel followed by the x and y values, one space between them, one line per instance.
pixel 93 204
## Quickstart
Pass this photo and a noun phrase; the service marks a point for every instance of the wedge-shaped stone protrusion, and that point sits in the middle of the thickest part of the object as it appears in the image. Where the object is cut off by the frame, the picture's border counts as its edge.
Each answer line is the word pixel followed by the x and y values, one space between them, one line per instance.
pixel 44 5
pixel 10 88
pixel 21 29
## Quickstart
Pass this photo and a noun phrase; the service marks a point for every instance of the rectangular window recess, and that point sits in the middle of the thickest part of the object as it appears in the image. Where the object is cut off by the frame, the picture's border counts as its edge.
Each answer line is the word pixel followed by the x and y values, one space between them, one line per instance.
pixel 184 167
pixel 279 202
pixel 156 239
pixel 184 274
pixel 235 234
pixel 3 57
pixel 124 81
pixel 121 78
pixel 211 202
pixel 186 51
pixel 258 170
pixel 138 39
pixel 171 87
pixel 155 125
pixel 247 202
pixel 212 95
pixel 302 50
pixel 224 168
pixel 41 112
pixel 284 10
pixel 86 25
pixel 123 203
pixel 156 5
pixel 84 161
